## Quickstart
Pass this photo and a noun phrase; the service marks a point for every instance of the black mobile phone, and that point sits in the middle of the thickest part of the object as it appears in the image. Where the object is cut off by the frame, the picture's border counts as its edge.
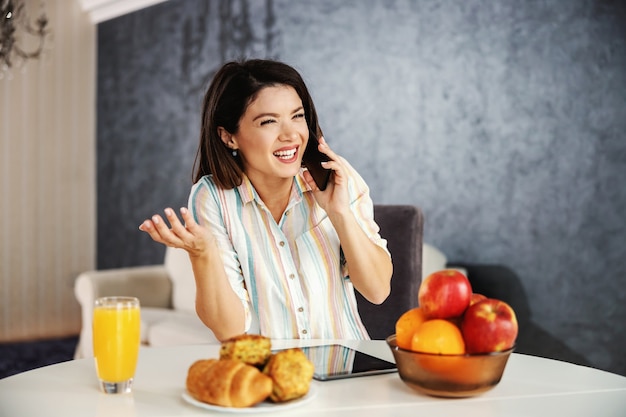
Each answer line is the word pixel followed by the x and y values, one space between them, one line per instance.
pixel 334 361
pixel 312 159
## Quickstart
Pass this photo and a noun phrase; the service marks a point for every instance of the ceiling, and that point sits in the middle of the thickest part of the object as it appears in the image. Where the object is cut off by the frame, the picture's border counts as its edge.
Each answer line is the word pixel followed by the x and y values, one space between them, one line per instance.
pixel 101 10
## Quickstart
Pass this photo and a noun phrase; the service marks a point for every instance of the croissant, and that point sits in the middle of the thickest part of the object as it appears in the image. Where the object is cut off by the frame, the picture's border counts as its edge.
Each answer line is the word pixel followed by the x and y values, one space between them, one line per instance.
pixel 228 383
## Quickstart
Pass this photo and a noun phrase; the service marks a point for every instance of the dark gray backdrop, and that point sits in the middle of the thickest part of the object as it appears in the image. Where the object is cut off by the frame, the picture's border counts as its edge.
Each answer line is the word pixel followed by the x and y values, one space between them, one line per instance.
pixel 504 121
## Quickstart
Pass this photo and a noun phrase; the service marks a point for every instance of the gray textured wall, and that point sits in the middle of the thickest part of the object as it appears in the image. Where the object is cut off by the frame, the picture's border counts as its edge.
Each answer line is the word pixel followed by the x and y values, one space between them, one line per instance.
pixel 504 120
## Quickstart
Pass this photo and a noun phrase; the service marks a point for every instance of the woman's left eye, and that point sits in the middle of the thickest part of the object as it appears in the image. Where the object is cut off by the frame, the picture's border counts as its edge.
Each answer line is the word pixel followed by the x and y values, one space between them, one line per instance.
pixel 298 116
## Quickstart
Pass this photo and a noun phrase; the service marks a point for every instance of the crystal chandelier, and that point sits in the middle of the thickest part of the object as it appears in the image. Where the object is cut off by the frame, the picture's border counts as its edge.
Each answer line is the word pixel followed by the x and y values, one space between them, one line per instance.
pixel 16 28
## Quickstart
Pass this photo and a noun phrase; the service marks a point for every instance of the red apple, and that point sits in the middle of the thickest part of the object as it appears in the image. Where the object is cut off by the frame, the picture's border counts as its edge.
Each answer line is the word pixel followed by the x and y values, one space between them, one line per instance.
pixel 444 294
pixel 476 298
pixel 489 326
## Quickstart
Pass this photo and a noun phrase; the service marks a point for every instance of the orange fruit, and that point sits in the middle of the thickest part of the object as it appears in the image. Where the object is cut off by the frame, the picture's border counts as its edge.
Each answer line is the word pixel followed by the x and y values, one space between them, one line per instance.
pixel 438 338
pixel 406 326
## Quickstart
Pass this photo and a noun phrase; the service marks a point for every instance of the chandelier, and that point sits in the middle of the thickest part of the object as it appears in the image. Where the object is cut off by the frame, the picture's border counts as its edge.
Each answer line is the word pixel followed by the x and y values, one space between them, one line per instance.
pixel 16 28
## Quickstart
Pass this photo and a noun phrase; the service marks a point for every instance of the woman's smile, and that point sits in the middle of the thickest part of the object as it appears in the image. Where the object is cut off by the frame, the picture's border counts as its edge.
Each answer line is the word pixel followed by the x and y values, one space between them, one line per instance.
pixel 287 155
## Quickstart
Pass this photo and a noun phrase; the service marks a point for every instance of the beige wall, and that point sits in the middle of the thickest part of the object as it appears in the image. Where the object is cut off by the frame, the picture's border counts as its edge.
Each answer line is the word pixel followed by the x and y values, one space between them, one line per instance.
pixel 47 179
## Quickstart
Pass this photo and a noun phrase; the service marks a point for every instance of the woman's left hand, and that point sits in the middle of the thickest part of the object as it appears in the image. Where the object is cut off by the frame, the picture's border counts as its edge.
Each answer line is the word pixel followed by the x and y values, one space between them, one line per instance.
pixel 334 199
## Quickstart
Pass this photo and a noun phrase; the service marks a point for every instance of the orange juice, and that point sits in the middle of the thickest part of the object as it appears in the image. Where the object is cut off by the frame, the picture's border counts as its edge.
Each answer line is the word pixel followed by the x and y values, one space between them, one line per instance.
pixel 116 327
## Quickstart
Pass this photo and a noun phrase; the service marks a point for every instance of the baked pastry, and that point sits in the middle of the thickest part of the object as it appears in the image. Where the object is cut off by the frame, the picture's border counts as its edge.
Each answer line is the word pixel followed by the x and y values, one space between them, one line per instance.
pixel 252 349
pixel 228 383
pixel 291 372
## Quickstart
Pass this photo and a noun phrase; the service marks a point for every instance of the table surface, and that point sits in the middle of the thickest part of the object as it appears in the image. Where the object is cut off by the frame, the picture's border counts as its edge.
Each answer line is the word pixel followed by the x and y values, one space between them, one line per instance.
pixel 530 386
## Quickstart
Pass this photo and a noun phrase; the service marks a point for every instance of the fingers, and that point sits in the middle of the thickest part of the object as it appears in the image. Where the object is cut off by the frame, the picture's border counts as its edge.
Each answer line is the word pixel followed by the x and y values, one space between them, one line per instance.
pixel 149 226
pixel 173 235
pixel 324 148
pixel 335 162
pixel 176 226
pixel 190 222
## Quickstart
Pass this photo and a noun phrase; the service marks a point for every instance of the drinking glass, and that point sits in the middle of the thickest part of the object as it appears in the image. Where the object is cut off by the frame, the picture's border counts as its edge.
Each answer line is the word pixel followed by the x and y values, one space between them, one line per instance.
pixel 116 328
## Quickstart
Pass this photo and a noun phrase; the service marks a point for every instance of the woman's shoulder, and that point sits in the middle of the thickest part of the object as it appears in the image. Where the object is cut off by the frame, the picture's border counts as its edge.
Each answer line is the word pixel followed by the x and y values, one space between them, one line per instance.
pixel 204 188
pixel 205 181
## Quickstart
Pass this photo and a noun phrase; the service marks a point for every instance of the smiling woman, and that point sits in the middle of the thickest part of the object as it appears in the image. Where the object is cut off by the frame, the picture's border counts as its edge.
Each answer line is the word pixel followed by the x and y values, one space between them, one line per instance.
pixel 272 253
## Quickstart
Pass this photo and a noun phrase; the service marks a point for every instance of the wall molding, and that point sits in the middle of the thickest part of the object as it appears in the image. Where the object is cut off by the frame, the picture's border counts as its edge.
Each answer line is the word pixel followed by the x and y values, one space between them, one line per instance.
pixel 101 10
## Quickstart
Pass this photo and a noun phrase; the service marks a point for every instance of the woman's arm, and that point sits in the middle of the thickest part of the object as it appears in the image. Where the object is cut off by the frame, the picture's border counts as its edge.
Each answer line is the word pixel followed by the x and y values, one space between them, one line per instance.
pixel 217 305
pixel 369 264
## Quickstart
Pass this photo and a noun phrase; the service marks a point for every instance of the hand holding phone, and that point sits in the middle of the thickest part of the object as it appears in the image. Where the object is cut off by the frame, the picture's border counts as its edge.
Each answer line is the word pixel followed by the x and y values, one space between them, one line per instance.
pixel 312 159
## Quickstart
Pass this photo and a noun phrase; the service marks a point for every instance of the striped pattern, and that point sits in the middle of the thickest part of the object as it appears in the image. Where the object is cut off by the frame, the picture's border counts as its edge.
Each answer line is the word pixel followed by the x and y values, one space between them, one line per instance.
pixel 47 179
pixel 289 275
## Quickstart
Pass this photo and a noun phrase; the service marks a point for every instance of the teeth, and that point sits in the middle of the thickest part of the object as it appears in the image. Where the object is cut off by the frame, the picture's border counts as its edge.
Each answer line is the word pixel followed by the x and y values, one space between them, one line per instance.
pixel 285 154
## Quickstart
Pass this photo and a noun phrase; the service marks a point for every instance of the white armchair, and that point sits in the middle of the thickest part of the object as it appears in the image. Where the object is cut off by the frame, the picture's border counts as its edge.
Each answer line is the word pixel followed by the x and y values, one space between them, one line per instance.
pixel 167 296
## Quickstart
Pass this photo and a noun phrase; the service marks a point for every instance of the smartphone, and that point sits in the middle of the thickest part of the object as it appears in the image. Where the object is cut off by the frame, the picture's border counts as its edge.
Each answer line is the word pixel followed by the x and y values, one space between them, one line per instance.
pixel 312 159
pixel 334 361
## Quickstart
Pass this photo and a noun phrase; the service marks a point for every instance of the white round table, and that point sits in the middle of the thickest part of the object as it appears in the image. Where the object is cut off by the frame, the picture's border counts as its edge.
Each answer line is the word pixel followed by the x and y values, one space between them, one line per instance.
pixel 530 386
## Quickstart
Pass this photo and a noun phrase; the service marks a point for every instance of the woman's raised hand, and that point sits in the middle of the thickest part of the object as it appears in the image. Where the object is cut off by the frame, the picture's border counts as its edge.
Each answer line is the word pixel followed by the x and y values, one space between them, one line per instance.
pixel 335 197
pixel 189 235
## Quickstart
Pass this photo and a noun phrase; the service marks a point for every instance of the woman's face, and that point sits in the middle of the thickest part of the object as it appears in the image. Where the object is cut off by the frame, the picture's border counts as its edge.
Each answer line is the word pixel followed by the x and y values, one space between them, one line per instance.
pixel 272 135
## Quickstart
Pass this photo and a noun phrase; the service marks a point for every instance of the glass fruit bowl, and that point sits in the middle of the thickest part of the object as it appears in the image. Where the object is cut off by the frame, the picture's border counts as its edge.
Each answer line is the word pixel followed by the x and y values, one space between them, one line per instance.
pixel 449 375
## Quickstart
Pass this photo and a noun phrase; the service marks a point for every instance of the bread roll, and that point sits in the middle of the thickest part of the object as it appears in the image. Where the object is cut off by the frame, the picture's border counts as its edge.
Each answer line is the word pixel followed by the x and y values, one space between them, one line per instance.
pixel 228 383
pixel 252 349
pixel 291 372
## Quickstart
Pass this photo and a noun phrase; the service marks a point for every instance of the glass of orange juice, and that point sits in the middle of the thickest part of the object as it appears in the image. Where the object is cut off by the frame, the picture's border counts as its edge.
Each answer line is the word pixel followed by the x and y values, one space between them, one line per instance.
pixel 116 327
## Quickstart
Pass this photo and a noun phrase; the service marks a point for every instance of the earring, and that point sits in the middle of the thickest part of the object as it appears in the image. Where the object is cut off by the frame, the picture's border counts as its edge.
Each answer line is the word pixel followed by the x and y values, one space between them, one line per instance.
pixel 234 152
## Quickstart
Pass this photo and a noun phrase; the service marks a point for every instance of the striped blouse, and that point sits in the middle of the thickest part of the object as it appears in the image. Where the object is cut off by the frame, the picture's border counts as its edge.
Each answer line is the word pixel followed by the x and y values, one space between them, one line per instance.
pixel 291 277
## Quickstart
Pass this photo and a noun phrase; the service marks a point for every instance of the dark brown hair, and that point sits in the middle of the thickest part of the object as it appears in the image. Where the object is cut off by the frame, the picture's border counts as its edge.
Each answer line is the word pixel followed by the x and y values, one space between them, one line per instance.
pixel 232 89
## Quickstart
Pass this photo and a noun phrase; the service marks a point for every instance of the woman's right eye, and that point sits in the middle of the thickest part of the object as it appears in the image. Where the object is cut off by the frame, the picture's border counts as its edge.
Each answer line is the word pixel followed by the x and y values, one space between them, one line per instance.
pixel 267 121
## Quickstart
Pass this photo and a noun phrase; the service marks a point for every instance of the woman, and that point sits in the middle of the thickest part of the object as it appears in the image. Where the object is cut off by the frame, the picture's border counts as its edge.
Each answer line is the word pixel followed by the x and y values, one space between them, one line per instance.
pixel 272 253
